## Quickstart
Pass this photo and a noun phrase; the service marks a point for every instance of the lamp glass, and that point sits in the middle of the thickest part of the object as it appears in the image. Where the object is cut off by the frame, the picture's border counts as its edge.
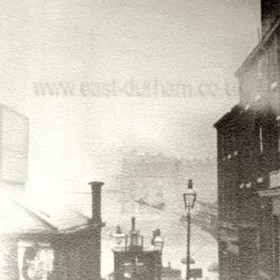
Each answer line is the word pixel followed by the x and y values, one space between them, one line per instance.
pixel 189 198
pixel 119 236
pixel 134 239
pixel 158 243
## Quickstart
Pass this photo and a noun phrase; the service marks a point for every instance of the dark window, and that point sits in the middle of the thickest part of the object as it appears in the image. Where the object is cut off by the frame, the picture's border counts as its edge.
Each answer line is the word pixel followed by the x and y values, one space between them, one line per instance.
pixel 260 139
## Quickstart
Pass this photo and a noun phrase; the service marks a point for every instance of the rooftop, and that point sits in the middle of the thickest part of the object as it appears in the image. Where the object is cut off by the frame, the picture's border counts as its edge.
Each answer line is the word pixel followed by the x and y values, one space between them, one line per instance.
pixel 17 218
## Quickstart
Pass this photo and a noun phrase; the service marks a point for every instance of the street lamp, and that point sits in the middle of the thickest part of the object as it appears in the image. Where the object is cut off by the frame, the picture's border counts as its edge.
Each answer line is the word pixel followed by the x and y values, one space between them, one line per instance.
pixel 158 244
pixel 119 236
pixel 189 200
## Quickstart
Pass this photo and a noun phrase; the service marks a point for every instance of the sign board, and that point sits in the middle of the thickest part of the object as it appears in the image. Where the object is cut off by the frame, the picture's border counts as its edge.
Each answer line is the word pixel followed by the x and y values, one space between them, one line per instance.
pixel 274 179
pixel 196 273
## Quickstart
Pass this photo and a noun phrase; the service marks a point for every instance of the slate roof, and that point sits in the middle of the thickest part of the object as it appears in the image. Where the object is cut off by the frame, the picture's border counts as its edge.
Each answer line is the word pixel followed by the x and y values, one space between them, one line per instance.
pixel 17 218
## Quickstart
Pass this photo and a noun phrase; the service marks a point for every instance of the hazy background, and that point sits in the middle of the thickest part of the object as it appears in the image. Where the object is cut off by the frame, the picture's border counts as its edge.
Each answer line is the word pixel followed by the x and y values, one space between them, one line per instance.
pixel 75 139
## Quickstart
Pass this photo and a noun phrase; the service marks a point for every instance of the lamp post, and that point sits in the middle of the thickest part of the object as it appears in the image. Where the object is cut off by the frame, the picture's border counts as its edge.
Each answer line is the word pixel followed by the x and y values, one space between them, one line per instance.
pixel 189 200
pixel 158 246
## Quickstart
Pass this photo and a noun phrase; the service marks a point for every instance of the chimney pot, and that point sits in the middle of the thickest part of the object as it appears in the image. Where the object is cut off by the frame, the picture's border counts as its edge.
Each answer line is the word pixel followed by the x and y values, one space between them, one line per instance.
pixel 96 184
pixel 133 223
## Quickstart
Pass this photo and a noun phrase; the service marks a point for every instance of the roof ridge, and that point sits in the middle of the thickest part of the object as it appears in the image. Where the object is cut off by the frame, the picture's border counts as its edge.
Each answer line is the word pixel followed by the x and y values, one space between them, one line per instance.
pixel 259 46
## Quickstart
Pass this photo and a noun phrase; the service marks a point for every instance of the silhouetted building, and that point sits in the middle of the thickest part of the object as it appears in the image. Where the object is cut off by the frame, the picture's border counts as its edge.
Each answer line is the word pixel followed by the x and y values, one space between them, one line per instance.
pixel 61 246
pixel 248 139
pixel 134 261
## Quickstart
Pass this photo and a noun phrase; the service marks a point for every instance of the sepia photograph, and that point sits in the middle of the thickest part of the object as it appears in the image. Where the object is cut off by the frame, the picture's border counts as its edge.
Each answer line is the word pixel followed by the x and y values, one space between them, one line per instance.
pixel 139 140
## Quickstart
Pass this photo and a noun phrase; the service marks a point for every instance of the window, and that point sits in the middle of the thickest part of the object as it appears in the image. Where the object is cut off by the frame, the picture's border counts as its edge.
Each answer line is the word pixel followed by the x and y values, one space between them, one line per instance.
pixel 261 139
pixel 248 185
pixel 260 180
pixel 278 132
pixel 233 141
pixel 278 139
pixel 258 136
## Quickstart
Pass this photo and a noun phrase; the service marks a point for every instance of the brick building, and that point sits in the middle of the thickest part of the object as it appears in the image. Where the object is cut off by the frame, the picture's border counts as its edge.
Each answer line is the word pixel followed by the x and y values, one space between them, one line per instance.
pixel 248 139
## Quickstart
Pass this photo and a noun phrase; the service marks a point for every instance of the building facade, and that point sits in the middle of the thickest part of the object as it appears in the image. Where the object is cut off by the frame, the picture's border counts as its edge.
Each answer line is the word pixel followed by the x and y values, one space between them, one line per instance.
pixel 248 140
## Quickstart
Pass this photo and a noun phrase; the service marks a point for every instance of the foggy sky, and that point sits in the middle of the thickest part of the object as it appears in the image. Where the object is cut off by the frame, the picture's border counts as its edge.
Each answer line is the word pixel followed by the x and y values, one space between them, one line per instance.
pixel 77 138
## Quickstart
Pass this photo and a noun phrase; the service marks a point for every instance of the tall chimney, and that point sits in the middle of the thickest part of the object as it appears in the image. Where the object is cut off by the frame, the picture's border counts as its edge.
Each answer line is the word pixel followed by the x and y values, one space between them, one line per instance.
pixel 270 9
pixel 96 225
pixel 96 201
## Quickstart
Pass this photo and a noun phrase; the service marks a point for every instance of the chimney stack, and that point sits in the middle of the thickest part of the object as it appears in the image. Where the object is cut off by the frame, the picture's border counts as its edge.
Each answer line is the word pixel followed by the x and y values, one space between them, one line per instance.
pixel 270 10
pixel 96 225
pixel 96 202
